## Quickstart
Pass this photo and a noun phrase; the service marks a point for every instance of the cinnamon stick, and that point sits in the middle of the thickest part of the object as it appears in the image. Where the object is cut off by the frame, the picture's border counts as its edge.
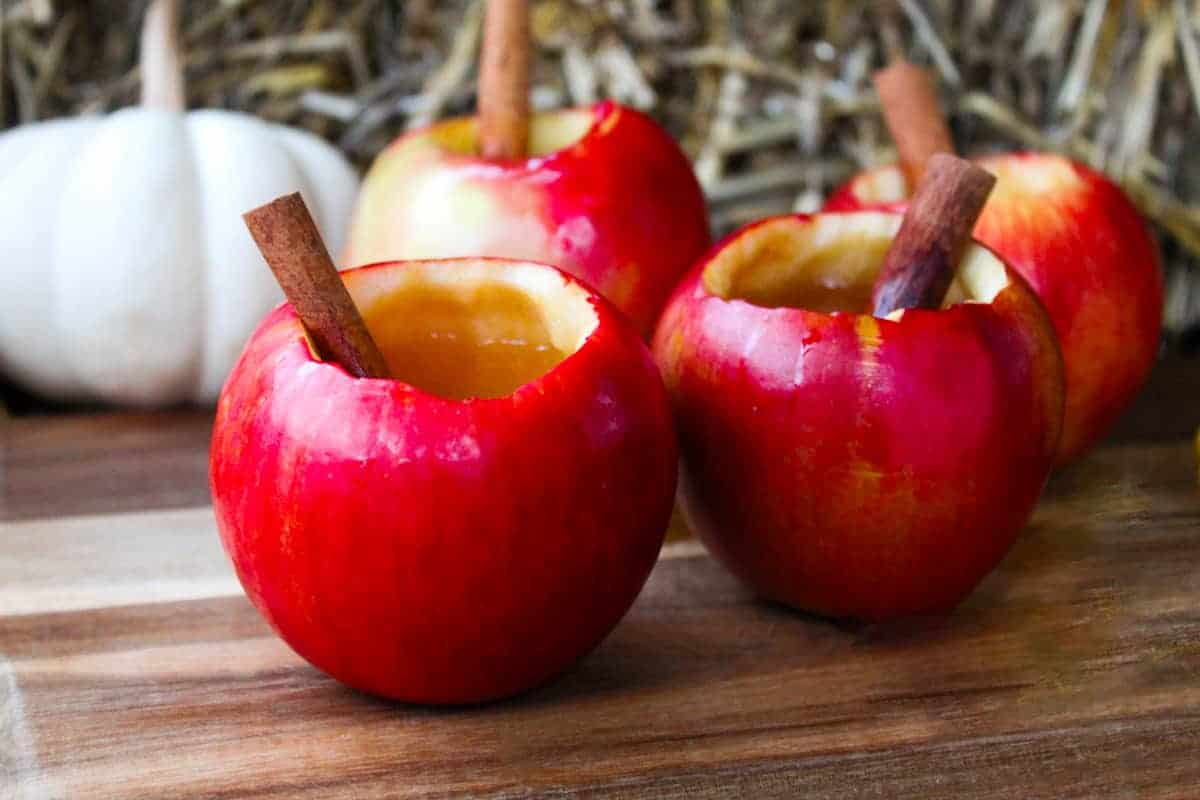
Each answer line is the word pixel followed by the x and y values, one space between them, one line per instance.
pixel 504 80
pixel 913 116
pixel 291 244
pixel 920 264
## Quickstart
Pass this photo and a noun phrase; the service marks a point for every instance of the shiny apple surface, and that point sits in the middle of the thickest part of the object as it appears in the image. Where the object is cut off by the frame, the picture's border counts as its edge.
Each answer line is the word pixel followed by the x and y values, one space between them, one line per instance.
pixel 605 194
pixel 849 465
pixel 472 527
pixel 1083 247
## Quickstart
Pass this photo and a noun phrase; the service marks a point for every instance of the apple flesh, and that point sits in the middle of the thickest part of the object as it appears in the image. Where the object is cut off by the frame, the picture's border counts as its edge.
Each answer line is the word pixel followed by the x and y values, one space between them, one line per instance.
pixel 605 194
pixel 848 465
pixel 470 528
pixel 1082 246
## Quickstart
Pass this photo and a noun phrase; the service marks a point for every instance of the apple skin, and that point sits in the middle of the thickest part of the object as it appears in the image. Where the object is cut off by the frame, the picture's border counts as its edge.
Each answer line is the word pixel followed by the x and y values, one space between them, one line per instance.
pixel 1083 247
pixel 439 551
pixel 619 208
pixel 852 466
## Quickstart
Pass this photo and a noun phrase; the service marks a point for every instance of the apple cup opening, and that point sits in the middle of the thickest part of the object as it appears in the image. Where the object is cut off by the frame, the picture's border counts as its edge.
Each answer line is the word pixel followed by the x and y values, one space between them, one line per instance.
pixel 827 264
pixel 467 328
pixel 881 186
pixel 1018 175
pixel 550 132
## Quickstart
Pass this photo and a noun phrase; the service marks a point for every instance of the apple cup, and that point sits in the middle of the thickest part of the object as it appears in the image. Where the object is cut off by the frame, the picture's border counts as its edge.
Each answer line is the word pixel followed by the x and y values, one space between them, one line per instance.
pixel 473 526
pixel 604 194
pixel 1082 246
pixel 848 465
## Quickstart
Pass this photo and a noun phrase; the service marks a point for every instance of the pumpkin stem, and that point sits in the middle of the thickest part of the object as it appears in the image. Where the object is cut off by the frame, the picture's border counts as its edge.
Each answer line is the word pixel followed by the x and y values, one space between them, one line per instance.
pixel 161 62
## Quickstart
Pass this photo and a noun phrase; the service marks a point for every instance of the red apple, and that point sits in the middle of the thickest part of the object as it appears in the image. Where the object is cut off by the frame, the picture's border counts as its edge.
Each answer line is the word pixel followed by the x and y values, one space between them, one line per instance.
pixel 1084 249
pixel 470 528
pixel 605 194
pixel 844 464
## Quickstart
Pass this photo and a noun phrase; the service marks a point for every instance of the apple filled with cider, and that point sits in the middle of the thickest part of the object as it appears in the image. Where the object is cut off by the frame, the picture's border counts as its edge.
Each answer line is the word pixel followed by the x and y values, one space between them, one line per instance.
pixel 849 464
pixel 470 526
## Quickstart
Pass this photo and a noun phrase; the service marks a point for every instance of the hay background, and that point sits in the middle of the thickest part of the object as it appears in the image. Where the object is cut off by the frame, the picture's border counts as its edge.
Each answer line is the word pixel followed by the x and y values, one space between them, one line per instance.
pixel 772 99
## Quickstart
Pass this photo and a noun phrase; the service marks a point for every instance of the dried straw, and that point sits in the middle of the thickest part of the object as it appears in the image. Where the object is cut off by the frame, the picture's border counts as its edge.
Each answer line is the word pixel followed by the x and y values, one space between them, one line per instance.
pixel 771 98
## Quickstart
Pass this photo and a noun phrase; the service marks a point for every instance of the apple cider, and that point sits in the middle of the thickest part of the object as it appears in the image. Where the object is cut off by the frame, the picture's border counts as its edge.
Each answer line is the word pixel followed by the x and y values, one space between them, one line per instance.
pixel 486 344
pixel 814 296
pixel 783 270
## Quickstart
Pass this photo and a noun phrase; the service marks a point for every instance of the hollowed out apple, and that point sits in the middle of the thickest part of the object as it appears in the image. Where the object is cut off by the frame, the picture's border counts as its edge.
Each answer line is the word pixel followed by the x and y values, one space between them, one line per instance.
pixel 844 464
pixel 1084 249
pixel 472 527
pixel 605 194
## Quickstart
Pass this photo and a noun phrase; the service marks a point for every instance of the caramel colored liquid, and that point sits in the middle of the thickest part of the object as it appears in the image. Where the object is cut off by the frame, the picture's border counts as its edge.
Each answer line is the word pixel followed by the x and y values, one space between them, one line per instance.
pixel 486 344
pixel 815 297
pixel 783 275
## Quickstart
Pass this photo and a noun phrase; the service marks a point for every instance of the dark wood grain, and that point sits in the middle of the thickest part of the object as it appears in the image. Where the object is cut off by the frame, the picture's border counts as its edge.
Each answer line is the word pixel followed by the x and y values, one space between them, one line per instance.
pixel 63 464
pixel 1074 671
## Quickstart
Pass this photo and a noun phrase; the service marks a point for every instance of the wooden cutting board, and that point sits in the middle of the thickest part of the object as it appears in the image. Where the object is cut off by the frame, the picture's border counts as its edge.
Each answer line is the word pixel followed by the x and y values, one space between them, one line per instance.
pixel 132 667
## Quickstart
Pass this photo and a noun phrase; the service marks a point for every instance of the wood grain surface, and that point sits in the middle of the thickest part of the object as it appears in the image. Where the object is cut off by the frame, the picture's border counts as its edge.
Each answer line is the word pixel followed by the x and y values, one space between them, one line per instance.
pixel 90 463
pixel 132 667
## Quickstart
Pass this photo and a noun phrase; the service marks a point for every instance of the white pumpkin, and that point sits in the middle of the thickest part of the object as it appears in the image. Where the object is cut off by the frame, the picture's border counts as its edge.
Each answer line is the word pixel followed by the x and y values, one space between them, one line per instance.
pixel 126 273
